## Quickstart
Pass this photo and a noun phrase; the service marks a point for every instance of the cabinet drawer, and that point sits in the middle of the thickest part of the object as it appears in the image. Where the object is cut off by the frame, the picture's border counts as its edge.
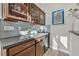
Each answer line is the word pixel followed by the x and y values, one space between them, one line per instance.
pixel 27 52
pixel 17 49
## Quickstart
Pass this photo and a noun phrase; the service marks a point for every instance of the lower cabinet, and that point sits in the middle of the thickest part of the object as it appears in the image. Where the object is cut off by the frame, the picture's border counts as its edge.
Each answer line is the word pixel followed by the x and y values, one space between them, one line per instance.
pixel 74 44
pixel 27 52
pixel 24 49
pixel 35 47
pixel 39 48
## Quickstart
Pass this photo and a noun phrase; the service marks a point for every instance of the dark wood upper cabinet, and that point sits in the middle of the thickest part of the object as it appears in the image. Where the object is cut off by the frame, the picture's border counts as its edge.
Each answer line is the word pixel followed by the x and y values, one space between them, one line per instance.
pixel 37 15
pixel 27 12
pixel 42 17
pixel 15 11
pixel 34 14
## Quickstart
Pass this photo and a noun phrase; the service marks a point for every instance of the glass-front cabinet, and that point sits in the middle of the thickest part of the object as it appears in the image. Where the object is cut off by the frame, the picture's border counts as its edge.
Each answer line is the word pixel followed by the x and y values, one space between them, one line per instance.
pixel 34 14
pixel 27 12
pixel 42 18
pixel 15 11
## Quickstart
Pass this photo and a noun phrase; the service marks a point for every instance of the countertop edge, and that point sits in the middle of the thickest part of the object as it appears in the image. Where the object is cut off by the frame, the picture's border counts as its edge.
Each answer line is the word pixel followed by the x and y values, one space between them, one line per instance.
pixel 75 32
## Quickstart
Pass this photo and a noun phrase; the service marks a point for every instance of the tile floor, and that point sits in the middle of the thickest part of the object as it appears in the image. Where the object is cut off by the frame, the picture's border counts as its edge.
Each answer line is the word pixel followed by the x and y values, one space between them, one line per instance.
pixel 51 52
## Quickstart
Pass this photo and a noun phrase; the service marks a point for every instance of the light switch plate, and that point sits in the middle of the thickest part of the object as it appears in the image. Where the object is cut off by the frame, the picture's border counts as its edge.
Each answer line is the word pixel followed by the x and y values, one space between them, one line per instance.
pixel 8 28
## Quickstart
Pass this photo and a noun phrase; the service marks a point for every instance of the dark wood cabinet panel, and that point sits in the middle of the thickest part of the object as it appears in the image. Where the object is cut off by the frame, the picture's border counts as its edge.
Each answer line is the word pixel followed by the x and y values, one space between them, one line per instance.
pixel 17 49
pixel 39 48
pixel 27 52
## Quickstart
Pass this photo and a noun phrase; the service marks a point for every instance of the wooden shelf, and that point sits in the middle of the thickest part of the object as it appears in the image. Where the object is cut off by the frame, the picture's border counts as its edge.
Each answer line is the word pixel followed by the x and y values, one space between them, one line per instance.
pixel 16 18
pixel 18 13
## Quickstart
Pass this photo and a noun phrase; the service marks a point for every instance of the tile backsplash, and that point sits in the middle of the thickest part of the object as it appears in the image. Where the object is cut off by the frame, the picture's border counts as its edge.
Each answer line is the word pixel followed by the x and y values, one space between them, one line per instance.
pixel 23 26
pixel 42 28
pixel 1 27
pixel 10 29
pixel 7 26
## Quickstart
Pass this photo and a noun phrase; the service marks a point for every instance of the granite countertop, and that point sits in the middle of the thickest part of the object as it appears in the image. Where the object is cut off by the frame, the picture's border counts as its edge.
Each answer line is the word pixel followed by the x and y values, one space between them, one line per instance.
pixel 12 41
pixel 75 32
